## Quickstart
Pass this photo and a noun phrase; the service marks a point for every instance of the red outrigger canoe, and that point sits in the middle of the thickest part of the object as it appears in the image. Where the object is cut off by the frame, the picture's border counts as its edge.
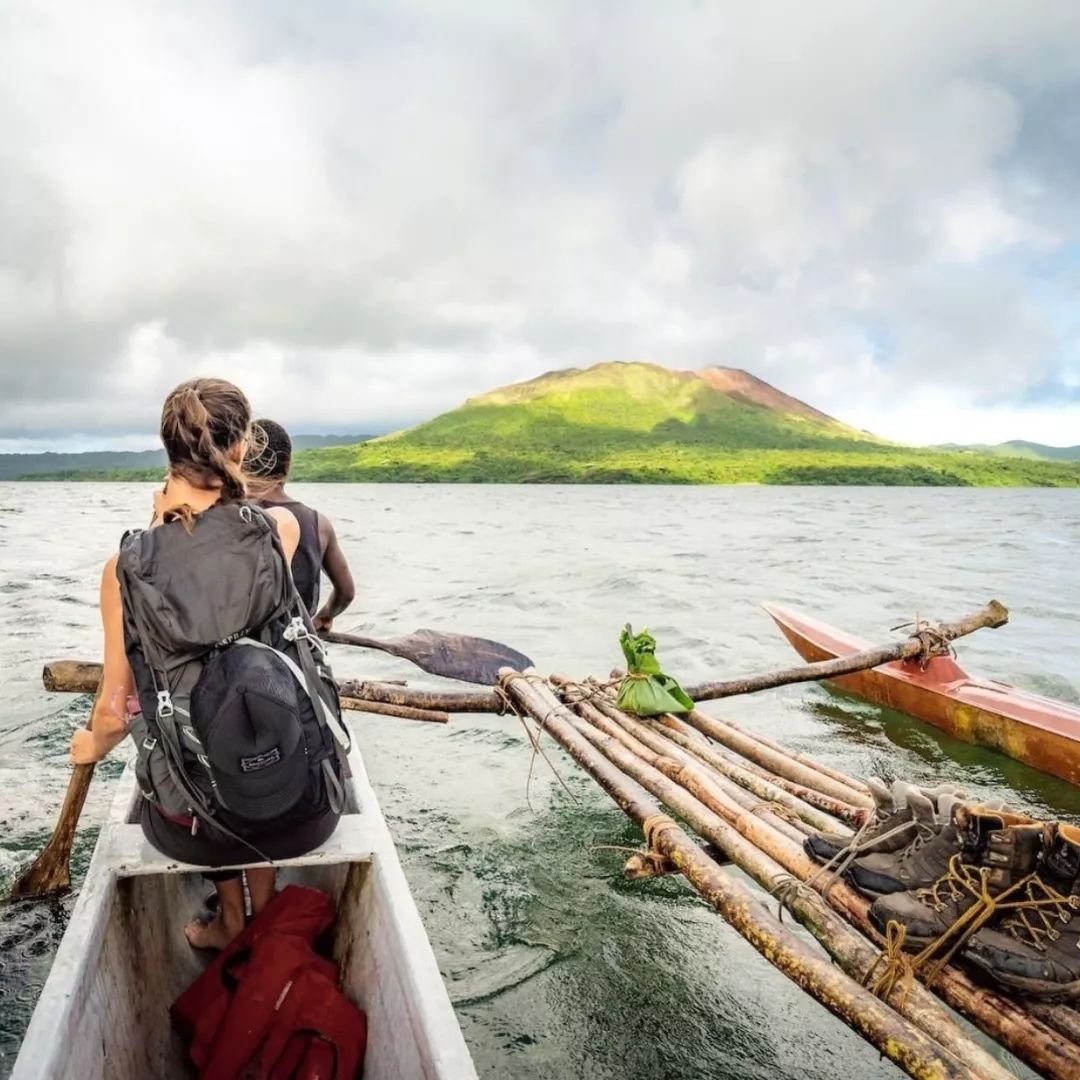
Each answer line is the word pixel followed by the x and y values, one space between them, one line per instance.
pixel 1035 730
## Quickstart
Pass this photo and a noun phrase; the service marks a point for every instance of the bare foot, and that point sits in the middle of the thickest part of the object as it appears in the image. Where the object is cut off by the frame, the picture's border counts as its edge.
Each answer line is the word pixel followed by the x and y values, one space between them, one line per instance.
pixel 215 933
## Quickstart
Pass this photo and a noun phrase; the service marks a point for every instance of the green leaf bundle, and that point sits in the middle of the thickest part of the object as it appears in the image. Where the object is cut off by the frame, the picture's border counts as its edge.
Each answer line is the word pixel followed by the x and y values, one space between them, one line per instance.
pixel 646 690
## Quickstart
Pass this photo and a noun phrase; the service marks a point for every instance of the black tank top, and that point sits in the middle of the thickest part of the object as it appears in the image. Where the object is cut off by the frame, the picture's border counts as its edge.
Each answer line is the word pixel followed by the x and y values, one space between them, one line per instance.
pixel 307 562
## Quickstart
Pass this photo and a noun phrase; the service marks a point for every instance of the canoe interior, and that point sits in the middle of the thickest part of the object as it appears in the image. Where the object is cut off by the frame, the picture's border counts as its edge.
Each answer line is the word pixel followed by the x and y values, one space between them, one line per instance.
pixel 121 1028
pixel 104 1012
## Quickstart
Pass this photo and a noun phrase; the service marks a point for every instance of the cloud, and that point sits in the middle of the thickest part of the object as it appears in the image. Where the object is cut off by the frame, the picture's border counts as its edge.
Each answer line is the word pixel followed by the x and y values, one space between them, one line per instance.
pixel 365 213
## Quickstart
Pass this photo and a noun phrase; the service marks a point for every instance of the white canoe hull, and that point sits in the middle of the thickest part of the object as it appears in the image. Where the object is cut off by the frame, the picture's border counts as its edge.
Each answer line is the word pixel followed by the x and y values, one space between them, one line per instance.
pixel 104 1011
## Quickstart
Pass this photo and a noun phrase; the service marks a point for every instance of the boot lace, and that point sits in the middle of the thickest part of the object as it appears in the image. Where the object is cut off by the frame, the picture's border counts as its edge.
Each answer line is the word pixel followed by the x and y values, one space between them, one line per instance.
pixel 923 835
pixel 960 882
pixel 1037 918
pixel 866 837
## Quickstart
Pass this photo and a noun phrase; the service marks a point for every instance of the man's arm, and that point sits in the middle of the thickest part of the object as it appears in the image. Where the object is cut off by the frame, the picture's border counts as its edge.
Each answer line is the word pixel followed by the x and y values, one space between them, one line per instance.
pixel 337 570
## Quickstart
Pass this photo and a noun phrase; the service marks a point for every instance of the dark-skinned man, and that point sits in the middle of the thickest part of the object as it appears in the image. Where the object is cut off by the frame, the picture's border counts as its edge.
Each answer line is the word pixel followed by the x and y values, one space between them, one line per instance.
pixel 319 550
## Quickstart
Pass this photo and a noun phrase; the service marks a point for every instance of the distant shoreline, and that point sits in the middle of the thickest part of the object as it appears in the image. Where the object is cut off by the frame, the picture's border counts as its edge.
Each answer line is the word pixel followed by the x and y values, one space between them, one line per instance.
pixel 825 478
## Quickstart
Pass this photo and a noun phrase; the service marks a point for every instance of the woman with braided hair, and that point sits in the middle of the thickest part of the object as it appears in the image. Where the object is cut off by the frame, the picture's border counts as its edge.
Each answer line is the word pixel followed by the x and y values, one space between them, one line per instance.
pixel 245 786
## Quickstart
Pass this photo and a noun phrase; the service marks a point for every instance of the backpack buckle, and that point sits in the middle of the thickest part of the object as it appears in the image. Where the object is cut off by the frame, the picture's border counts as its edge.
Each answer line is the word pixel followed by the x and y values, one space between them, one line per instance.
pixel 164 704
pixel 149 743
pixel 296 629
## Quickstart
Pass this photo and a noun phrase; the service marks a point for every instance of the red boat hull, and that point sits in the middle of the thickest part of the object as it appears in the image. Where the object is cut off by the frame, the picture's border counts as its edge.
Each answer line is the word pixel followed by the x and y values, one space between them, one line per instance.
pixel 1038 731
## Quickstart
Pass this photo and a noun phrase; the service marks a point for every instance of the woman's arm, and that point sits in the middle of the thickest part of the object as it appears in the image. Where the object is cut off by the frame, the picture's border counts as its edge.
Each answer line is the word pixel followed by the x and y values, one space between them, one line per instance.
pixel 108 721
pixel 337 570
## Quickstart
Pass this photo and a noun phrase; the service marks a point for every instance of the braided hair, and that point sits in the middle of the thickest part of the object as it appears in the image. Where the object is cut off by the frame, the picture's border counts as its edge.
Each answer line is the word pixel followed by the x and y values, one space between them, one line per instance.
pixel 201 423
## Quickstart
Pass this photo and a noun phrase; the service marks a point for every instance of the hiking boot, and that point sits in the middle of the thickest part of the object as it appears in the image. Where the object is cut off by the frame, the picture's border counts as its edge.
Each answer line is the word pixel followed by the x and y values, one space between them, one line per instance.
pixel 893 823
pixel 922 860
pixel 997 852
pixel 1036 947
pixel 890 810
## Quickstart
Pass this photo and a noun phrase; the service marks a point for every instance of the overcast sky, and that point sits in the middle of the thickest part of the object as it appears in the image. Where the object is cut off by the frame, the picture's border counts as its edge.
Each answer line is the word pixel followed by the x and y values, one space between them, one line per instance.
pixel 366 212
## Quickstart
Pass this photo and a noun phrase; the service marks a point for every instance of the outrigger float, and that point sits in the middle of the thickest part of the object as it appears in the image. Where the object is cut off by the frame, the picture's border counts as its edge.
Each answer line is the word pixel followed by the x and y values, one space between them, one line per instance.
pixel 1036 730
pixel 705 792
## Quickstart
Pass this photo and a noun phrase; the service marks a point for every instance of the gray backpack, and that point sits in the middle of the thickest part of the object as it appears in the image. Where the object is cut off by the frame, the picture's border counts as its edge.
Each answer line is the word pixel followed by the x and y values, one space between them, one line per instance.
pixel 241 720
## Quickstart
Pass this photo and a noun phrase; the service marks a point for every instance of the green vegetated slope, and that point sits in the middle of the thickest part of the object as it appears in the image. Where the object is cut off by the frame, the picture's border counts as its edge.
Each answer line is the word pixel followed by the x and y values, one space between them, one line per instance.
pixel 1020 448
pixel 641 423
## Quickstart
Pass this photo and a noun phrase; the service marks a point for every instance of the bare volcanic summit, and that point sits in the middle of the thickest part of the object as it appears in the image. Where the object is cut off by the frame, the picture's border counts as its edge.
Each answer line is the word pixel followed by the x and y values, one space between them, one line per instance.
pixel 742 386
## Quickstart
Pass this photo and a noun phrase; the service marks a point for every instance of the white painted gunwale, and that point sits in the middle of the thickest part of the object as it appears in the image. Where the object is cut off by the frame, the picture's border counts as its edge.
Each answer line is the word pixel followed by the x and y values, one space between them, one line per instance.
pixel 398 949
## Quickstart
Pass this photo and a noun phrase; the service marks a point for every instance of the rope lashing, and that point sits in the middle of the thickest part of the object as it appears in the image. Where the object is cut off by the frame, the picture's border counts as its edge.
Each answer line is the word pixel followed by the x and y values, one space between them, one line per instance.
pixel 896 967
pixel 654 825
pixel 573 693
pixel 787 889
pixel 932 641
pixel 658 863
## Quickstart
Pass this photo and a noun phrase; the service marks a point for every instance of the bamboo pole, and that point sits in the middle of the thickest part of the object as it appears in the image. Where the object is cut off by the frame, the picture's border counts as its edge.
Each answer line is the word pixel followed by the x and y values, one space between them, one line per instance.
pixel 921 643
pixel 894 1036
pixel 664 740
pixel 82 677
pixel 451 701
pixel 404 711
pixel 1061 1018
pixel 795 755
pixel 857 956
pixel 676 724
pixel 1035 1040
pixel 1004 1020
pixel 835 816
pixel 713 791
pixel 709 788
pixel 688 736
pixel 776 761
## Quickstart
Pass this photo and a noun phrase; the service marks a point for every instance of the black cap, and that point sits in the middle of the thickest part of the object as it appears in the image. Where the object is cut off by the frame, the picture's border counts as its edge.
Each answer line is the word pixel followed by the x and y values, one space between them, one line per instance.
pixel 246 710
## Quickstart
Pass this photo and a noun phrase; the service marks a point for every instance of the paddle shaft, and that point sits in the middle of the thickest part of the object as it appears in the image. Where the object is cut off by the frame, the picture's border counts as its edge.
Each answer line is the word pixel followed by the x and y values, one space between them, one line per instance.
pixel 991 616
pixel 51 870
pixel 359 641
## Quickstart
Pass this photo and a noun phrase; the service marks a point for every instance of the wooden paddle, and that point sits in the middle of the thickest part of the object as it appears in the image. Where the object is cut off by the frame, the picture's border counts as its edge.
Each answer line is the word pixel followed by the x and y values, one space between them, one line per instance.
pixel 51 871
pixel 454 656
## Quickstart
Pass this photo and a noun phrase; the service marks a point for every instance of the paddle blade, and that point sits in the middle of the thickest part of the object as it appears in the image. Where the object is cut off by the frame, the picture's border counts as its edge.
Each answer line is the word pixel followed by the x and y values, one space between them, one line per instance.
pixel 458 656
pixel 453 656
pixel 49 874
pixel 51 871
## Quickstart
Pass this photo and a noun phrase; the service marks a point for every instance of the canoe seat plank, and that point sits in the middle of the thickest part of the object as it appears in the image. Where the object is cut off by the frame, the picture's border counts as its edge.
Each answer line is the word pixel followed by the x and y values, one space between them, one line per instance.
pixel 354 840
